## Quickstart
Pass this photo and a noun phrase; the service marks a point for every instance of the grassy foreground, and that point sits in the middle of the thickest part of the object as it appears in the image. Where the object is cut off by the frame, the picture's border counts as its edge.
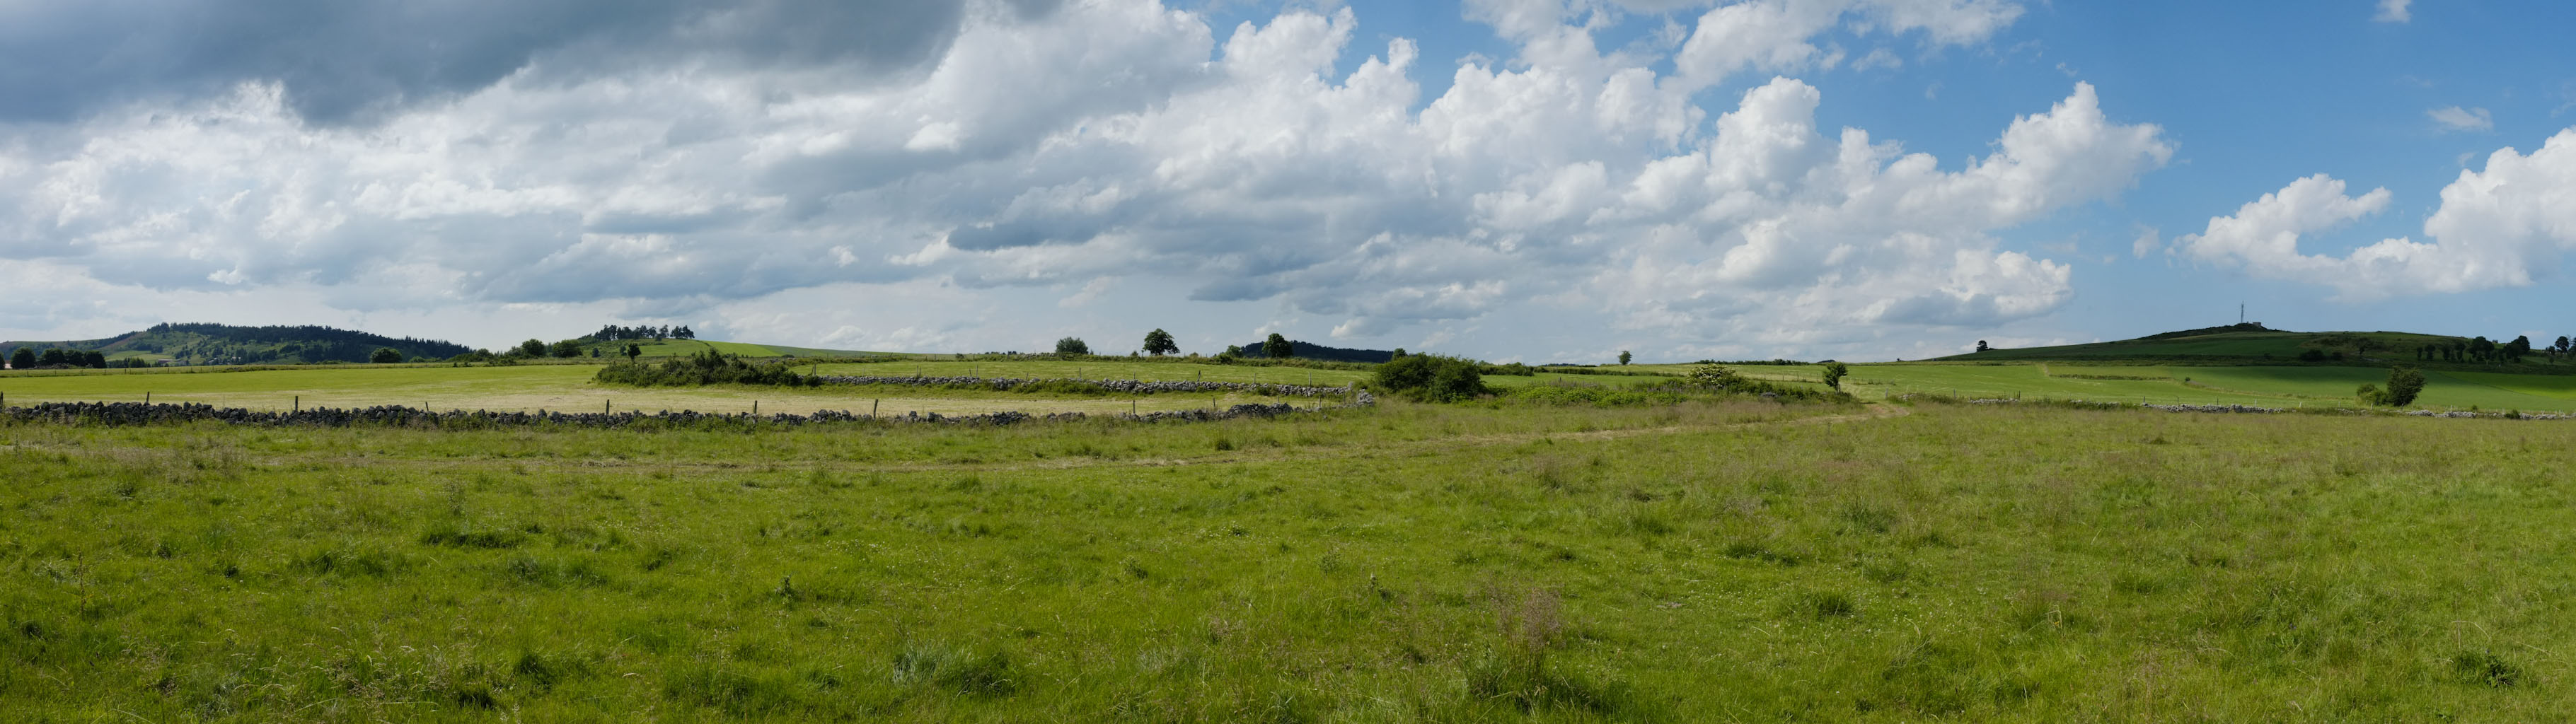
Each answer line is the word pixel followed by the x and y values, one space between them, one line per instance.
pixel 1706 562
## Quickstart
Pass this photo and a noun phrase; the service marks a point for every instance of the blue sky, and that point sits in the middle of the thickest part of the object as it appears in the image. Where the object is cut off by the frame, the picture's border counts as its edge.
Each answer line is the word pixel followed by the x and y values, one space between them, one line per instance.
pixel 1536 180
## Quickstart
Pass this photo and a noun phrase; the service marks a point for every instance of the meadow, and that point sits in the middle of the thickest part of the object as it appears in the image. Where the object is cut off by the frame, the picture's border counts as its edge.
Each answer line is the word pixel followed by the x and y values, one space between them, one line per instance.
pixel 1718 560
pixel 568 385
pixel 560 387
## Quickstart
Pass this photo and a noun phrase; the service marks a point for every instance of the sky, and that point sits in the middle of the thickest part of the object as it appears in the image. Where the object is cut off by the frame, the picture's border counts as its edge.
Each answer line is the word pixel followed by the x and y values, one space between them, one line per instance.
pixel 1514 180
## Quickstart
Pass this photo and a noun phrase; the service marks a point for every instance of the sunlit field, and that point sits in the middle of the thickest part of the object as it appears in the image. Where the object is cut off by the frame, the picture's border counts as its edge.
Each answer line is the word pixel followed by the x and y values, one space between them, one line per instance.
pixel 1709 561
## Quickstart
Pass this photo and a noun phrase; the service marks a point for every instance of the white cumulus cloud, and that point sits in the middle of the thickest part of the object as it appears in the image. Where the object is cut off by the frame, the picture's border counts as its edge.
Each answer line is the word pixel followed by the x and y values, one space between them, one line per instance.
pixel 2508 225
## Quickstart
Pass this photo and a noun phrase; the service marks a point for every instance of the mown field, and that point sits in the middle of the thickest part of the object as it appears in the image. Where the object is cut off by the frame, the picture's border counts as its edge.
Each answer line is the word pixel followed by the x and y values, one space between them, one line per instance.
pixel 1711 561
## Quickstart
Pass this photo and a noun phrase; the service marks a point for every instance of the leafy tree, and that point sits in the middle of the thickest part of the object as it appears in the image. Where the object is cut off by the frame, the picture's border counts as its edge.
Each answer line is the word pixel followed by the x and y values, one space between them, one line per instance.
pixel 2514 350
pixel 1624 357
pixel 567 349
pixel 633 351
pixel 2561 347
pixel 53 357
pixel 2370 394
pixel 1834 372
pixel 1277 347
pixel 385 355
pixel 24 358
pixel 530 348
pixel 93 359
pixel 1072 345
pixel 1981 346
pixel 2404 383
pixel 1399 354
pixel 1159 343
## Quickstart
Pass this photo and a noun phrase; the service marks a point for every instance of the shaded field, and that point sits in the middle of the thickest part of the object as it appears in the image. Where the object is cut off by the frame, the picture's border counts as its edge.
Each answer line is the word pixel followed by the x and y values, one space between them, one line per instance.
pixel 1706 562
pixel 684 347
pixel 2276 345
pixel 542 387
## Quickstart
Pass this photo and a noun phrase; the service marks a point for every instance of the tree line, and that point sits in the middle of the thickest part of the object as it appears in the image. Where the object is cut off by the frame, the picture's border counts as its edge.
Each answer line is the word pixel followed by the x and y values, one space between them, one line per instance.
pixel 615 333
pixel 2481 349
pixel 27 358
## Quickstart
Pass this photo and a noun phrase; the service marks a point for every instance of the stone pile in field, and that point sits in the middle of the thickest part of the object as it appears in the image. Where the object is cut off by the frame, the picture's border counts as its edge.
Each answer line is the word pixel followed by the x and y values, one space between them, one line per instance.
pixel 2213 408
pixel 136 413
pixel 1132 387
pixel 2493 415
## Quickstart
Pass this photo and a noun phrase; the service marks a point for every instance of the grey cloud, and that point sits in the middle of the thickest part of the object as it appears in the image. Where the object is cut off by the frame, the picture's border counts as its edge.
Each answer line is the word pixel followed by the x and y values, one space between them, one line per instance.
pixel 343 60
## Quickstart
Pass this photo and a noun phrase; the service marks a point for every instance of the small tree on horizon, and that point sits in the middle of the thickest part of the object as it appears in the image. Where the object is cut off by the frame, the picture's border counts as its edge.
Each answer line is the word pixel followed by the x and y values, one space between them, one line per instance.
pixel 1072 345
pixel 1278 347
pixel 1981 346
pixel 1834 372
pixel 24 358
pixel 530 348
pixel 633 351
pixel 568 349
pixel 1624 357
pixel 385 355
pixel 1159 343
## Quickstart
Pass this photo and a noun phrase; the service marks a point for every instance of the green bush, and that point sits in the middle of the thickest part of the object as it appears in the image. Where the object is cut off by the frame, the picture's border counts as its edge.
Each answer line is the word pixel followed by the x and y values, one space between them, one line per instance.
pixel 703 368
pixel 1431 378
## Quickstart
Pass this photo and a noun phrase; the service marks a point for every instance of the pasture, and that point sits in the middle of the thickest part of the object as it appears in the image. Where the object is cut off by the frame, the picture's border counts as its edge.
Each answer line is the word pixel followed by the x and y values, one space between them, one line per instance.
pixel 1710 561
pixel 568 386
pixel 560 387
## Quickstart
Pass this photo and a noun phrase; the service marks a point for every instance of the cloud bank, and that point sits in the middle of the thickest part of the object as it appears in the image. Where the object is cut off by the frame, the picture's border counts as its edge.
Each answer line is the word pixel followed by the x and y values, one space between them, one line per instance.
pixel 729 163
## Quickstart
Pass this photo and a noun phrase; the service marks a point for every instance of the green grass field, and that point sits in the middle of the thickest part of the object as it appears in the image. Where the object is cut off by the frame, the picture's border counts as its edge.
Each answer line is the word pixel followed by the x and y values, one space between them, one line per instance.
pixel 1707 562
pixel 564 387
pixel 2265 386
pixel 569 386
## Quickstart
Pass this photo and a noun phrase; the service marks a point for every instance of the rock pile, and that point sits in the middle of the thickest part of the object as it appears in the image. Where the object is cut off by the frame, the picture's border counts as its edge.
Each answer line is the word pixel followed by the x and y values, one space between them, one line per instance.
pixel 136 413
pixel 1131 387
pixel 2212 408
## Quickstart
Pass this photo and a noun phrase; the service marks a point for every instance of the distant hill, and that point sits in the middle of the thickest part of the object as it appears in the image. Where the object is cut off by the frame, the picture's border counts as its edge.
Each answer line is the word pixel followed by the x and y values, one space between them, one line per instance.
pixel 228 344
pixel 2250 341
pixel 1309 350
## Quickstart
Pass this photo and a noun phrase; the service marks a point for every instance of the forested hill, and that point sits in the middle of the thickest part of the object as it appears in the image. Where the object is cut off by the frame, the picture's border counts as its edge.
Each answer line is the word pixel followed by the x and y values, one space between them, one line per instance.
pixel 200 343
pixel 1309 350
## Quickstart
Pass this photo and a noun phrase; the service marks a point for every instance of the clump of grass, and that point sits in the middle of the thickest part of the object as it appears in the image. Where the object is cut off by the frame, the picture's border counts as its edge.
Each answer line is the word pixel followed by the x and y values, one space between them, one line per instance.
pixel 963 671
pixel 456 534
pixel 1822 605
pixel 2485 668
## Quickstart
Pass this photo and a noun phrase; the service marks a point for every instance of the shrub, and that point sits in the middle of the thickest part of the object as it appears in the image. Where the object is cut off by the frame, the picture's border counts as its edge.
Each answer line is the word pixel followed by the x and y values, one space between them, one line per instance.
pixel 1072 345
pixel 385 355
pixel 2404 383
pixel 1431 378
pixel 1834 372
pixel 703 368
